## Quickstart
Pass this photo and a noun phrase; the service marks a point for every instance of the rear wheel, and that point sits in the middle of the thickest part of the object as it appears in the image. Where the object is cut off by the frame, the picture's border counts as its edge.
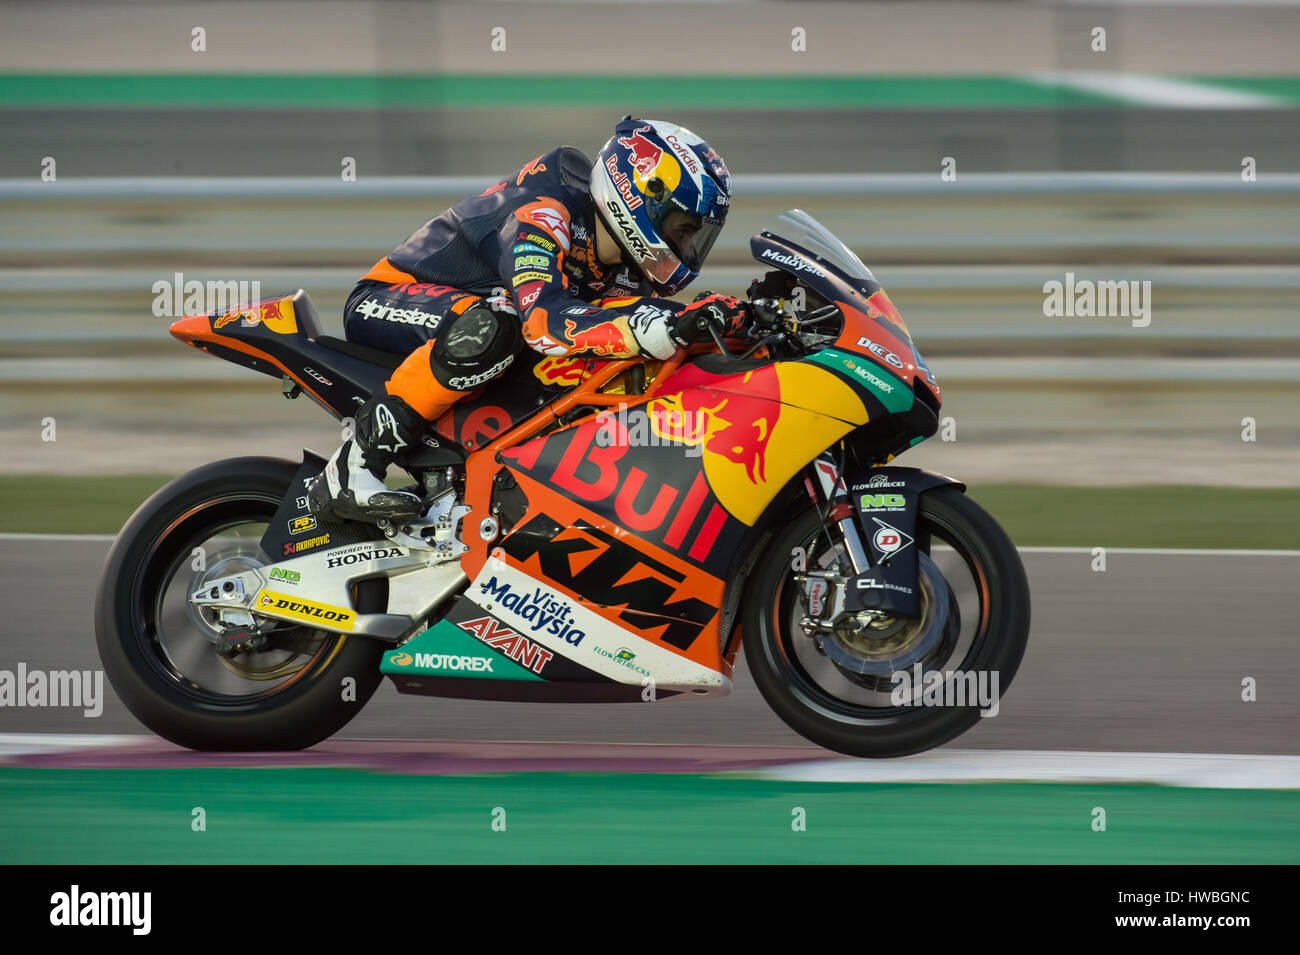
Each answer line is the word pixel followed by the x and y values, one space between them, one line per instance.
pixel 839 689
pixel 298 687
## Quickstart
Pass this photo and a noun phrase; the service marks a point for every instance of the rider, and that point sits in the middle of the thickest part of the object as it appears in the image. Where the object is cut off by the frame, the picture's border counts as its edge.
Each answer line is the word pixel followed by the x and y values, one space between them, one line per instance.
pixel 566 255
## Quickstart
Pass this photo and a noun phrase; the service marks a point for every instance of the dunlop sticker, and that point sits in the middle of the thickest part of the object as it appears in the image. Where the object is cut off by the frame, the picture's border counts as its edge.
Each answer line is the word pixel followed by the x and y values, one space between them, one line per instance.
pixel 308 611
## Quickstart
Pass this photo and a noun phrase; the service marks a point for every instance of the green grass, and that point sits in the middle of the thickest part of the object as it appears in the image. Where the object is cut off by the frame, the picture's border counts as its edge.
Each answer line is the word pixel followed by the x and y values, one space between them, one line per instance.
pixel 1141 516
pixel 424 91
pixel 489 91
pixel 47 504
pixel 1145 515
pixel 137 816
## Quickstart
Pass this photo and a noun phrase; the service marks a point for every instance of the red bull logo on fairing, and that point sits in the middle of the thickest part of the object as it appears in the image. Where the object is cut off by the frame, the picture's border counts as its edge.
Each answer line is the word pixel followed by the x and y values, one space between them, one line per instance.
pixel 732 425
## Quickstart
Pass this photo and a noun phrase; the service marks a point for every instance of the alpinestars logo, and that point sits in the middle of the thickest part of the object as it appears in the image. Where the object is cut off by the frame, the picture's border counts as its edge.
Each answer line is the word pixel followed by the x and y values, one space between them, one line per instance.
pixel 473 381
pixel 386 423
pixel 372 308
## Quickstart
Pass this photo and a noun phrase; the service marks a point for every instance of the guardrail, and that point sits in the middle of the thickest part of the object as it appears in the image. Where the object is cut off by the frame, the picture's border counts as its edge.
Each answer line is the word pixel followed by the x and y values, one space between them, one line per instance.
pixel 808 184
pixel 966 260
pixel 979 219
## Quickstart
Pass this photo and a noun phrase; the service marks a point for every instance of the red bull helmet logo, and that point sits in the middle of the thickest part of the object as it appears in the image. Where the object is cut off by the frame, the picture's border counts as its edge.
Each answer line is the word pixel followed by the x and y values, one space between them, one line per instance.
pixel 645 154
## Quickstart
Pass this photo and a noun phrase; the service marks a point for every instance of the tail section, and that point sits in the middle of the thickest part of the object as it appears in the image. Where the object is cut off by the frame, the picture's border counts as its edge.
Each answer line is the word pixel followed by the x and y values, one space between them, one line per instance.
pixel 280 336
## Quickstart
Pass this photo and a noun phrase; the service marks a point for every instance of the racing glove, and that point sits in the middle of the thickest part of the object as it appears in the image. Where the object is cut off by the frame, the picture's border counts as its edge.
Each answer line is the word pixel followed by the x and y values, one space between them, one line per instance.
pixel 723 312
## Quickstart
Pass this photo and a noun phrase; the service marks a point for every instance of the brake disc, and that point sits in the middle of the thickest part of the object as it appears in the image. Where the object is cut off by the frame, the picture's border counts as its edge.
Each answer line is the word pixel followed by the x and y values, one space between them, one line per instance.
pixel 879 645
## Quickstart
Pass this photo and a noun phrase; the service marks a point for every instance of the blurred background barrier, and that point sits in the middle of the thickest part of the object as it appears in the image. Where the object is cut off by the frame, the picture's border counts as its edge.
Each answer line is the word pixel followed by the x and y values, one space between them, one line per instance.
pixel 966 260
pixel 1168 154
pixel 1030 396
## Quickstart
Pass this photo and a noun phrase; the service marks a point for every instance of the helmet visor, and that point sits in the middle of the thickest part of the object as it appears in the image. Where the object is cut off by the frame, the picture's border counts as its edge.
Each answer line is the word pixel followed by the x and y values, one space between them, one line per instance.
pixel 689 236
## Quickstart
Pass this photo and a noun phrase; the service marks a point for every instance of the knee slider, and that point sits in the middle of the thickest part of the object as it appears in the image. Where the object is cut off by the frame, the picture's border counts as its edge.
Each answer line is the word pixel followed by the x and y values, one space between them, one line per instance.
pixel 474 347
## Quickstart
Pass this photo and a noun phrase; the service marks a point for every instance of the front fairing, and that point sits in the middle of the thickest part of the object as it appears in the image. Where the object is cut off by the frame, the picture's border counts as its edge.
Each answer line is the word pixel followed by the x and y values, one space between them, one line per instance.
pixel 871 326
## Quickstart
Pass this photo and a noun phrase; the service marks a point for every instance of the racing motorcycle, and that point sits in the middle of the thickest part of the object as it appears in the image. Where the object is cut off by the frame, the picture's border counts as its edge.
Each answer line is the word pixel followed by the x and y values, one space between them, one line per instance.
pixel 593 531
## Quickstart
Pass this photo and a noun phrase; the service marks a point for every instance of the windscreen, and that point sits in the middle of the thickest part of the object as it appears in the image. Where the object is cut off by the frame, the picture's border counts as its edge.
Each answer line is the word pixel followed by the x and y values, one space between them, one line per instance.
pixel 802 229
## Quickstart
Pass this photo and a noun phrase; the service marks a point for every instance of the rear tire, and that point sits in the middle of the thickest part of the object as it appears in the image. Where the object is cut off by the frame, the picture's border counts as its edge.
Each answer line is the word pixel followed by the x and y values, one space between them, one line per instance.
pixel 1000 633
pixel 150 556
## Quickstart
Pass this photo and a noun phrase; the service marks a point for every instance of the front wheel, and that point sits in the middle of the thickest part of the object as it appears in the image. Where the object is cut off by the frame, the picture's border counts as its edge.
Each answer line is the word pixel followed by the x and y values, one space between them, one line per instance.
pixel 161 653
pixel 843 690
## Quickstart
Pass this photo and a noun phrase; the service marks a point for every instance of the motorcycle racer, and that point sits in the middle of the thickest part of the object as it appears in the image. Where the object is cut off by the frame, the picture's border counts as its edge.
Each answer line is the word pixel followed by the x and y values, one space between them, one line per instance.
pixel 568 256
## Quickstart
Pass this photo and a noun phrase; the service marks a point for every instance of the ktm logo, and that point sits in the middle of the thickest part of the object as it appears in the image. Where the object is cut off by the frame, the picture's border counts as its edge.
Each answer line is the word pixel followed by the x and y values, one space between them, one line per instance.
pixel 617 575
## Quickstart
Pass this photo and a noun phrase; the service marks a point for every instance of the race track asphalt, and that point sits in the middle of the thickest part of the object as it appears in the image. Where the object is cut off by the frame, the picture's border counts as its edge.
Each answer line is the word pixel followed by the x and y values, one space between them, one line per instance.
pixel 1148 656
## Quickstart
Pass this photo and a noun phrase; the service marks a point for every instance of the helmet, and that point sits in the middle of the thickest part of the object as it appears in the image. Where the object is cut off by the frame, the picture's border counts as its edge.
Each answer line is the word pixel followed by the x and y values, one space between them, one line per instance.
pixel 663 193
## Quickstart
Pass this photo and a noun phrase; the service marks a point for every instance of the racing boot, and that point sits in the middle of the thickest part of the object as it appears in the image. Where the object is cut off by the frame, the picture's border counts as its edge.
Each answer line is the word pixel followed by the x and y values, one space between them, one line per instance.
pixel 352 485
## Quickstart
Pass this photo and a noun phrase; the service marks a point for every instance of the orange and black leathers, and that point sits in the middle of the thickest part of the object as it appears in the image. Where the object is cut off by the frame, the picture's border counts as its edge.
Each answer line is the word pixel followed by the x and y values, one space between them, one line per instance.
pixel 532 234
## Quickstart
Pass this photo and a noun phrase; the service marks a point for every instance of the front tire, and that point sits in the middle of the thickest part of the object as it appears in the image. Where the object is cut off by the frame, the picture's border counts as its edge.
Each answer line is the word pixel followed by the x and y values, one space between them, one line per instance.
pixel 857 715
pixel 289 695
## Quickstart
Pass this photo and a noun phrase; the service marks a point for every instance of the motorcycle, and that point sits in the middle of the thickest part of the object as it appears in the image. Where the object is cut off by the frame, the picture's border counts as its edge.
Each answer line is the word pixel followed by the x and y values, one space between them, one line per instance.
pixel 594 530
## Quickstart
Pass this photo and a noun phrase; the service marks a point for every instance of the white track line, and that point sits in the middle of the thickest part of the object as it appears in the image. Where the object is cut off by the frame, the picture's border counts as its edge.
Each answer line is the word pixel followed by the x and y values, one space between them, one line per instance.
pixel 1147 90
pixel 1159 551
pixel 24 744
pixel 1199 770
pixel 1170 551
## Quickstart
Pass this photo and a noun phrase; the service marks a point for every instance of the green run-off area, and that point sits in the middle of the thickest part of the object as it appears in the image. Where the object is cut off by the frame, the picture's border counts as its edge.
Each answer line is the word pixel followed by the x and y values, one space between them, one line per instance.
pixel 76 816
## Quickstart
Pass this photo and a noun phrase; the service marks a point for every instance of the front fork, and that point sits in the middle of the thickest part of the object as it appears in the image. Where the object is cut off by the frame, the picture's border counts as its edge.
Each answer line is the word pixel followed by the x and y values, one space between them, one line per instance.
pixel 824 590
pixel 876 511
pixel 834 490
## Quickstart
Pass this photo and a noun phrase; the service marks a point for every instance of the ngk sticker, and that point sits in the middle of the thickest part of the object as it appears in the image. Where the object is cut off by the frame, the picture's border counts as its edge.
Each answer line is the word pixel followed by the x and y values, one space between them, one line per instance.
pixel 889 540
